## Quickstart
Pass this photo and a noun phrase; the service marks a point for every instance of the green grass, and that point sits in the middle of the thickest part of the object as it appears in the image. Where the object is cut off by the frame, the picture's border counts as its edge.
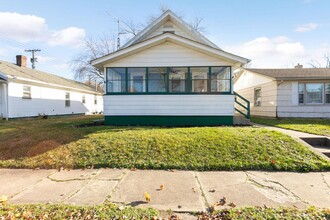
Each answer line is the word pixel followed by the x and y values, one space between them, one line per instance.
pixel 111 211
pixel 55 143
pixel 312 126
pixel 259 213
pixel 106 211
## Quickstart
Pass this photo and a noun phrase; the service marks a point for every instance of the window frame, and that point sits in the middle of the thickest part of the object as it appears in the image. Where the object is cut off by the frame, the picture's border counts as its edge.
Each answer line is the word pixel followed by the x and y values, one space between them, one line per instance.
pixel 167 89
pixel 325 94
pixel 255 97
pixel 67 100
pixel 28 93
pixel 305 94
pixel 95 99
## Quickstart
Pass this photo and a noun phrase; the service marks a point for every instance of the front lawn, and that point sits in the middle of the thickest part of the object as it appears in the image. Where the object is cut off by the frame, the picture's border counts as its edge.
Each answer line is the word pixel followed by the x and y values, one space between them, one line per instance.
pixel 60 211
pixel 56 143
pixel 111 211
pixel 312 126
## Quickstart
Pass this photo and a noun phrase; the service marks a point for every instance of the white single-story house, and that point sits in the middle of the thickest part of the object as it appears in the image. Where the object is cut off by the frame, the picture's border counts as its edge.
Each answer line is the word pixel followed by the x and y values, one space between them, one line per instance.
pixel 169 74
pixel 26 92
pixel 296 92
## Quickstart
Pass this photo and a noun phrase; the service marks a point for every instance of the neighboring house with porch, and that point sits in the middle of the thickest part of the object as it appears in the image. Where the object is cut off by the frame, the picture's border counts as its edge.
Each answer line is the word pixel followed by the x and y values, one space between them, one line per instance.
pixel 26 92
pixel 169 74
pixel 297 92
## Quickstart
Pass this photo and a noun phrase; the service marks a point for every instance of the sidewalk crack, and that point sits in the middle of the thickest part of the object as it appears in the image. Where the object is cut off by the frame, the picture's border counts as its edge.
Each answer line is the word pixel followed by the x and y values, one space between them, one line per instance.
pixel 258 184
pixel 207 204
pixel 325 181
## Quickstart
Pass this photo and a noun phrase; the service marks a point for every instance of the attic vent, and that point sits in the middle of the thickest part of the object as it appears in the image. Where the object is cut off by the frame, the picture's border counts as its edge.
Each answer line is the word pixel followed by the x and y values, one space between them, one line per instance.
pixel 172 32
pixel 168 26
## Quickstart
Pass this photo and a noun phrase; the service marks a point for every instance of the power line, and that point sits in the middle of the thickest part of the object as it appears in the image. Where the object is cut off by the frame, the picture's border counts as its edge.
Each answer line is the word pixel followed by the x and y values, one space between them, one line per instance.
pixel 33 59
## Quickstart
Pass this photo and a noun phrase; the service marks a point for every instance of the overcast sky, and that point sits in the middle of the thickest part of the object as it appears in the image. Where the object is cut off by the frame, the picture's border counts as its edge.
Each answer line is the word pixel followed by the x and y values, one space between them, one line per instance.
pixel 272 34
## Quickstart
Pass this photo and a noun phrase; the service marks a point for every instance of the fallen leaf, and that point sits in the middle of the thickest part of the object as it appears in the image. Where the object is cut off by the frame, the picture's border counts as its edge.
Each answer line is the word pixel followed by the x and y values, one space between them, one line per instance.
pixel 161 187
pixel 133 169
pixel 233 205
pixel 212 190
pixel 147 196
pixel 193 189
pixel 222 201
pixel 121 208
pixel 3 199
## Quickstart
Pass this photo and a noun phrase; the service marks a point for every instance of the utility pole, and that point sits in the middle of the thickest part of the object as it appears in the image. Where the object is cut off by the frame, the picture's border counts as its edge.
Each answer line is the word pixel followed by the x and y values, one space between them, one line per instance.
pixel 33 59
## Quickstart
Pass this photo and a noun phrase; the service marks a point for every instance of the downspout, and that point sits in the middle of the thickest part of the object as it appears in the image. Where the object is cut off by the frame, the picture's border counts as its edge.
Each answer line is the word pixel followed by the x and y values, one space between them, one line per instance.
pixel 6 100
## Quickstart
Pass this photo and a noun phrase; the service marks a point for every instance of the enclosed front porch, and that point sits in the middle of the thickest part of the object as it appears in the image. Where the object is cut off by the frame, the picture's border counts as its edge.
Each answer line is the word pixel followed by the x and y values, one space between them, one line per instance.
pixel 169 96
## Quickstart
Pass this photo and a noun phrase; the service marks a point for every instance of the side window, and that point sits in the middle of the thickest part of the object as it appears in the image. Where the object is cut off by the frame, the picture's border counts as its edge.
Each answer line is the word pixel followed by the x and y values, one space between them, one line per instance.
pixel 95 99
pixel 257 97
pixel 26 92
pixel 83 99
pixel 327 93
pixel 67 99
pixel 301 91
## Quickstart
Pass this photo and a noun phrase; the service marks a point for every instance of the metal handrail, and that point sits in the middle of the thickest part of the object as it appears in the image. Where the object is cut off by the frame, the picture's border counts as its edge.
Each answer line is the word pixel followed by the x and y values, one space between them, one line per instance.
pixel 247 107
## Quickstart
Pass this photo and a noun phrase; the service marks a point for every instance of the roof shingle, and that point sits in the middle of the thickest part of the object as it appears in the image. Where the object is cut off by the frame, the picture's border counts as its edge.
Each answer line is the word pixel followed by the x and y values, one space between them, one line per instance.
pixel 295 73
pixel 11 69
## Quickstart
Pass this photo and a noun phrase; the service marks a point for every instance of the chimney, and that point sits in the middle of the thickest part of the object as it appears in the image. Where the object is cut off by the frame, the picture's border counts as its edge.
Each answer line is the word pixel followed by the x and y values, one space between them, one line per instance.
pixel 21 60
pixel 298 66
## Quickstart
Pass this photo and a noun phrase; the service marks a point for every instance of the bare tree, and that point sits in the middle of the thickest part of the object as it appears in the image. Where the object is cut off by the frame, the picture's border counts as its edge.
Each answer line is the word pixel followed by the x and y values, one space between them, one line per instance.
pixel 316 64
pixel 327 60
pixel 97 47
pixel 130 27
pixel 92 49
pixel 196 24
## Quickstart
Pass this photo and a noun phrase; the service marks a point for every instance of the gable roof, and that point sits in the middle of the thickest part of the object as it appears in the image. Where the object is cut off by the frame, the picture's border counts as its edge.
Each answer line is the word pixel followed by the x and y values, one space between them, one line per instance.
pixel 294 73
pixel 172 38
pixel 169 15
pixel 11 70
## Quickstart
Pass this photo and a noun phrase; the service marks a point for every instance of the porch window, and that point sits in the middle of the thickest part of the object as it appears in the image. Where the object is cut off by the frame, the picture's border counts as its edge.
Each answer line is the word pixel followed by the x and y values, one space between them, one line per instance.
pixel 67 99
pixel 153 80
pixel 314 93
pixel 116 80
pixel 199 79
pixel 26 92
pixel 327 93
pixel 177 79
pixel 157 78
pixel 257 97
pixel 301 90
pixel 136 79
pixel 220 79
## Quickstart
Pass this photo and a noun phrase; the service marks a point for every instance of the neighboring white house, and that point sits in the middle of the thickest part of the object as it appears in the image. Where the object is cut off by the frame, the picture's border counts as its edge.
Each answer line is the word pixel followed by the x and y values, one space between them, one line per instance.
pixel 169 74
pixel 26 92
pixel 297 92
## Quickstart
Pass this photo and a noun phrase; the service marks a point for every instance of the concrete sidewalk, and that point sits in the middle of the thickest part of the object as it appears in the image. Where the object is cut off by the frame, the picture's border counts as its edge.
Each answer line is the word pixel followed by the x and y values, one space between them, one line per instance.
pixel 184 191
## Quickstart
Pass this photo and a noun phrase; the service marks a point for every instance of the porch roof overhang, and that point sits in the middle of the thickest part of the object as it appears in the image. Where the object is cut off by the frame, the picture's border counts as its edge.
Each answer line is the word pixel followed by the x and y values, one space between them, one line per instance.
pixel 236 60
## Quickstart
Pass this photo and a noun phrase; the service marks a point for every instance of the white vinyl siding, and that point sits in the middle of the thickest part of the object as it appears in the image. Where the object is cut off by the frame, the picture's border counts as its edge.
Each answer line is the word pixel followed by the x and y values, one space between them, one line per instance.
pixel 168 54
pixel 217 105
pixel 49 101
pixel 246 85
pixel 288 103
pixel 170 27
